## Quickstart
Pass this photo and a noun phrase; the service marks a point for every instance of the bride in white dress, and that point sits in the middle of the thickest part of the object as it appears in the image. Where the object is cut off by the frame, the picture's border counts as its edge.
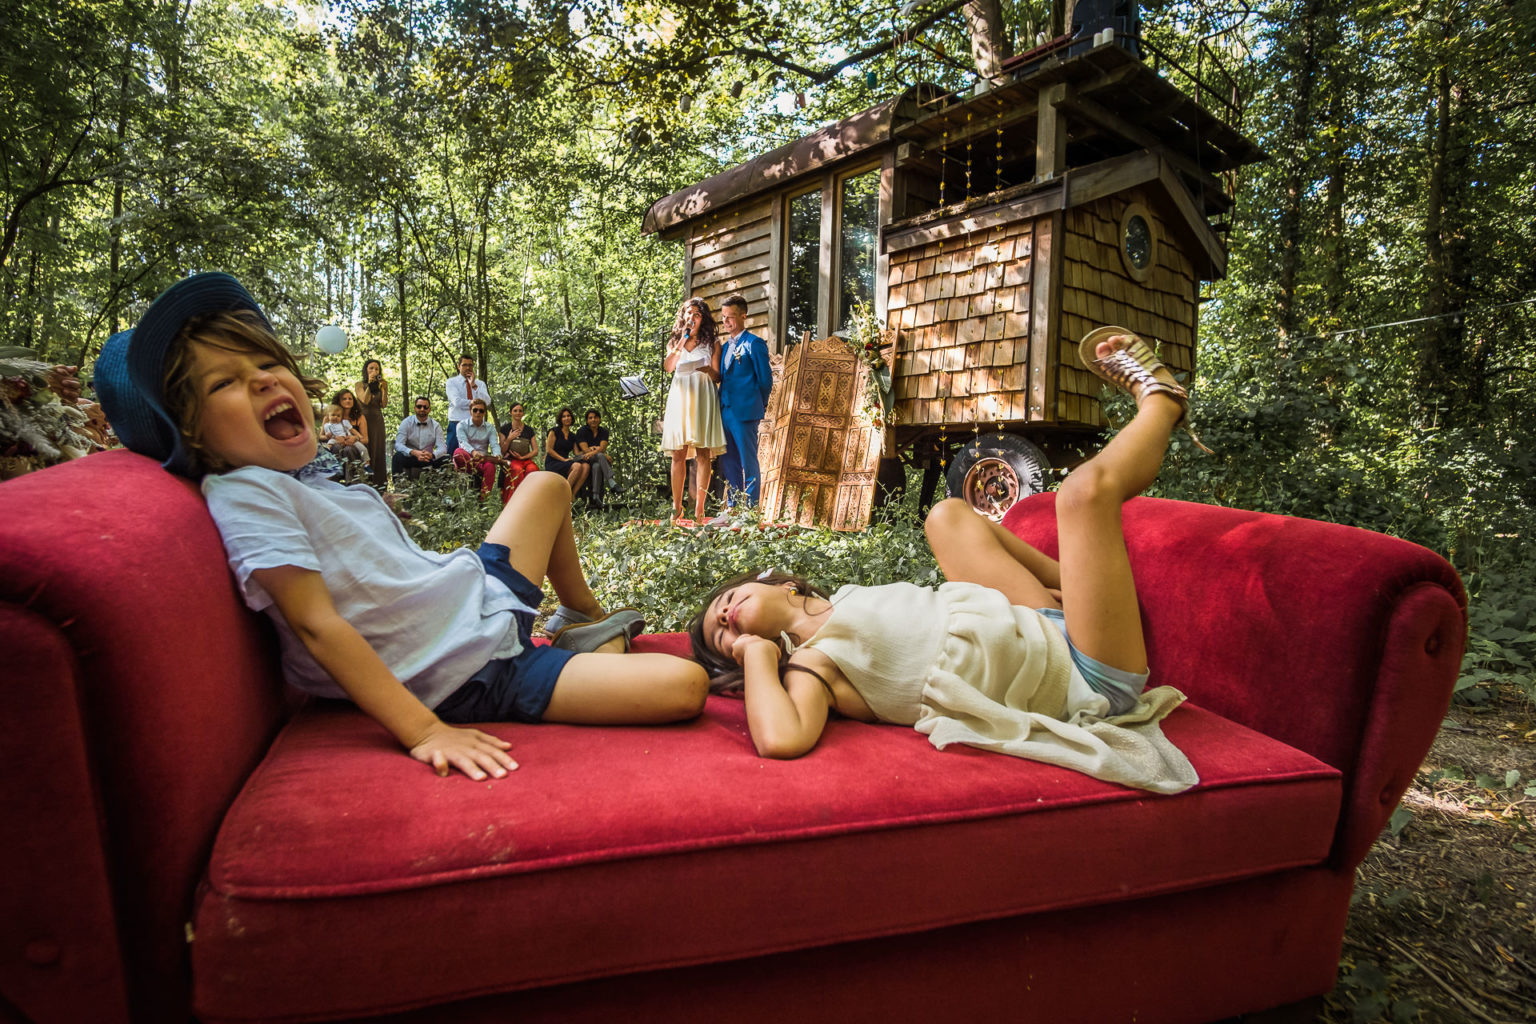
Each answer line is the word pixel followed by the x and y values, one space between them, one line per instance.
pixel 692 425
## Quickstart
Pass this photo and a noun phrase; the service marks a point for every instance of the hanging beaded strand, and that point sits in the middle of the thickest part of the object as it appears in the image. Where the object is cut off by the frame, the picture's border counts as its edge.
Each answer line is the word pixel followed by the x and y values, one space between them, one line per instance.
pixel 968 141
pixel 997 175
pixel 943 166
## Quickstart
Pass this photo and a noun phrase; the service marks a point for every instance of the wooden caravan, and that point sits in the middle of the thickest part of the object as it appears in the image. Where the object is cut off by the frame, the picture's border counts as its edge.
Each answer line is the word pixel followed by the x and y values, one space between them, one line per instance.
pixel 990 231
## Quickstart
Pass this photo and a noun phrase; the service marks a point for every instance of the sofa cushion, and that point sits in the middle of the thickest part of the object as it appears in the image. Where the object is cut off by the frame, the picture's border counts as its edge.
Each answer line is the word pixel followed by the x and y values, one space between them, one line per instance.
pixel 368 884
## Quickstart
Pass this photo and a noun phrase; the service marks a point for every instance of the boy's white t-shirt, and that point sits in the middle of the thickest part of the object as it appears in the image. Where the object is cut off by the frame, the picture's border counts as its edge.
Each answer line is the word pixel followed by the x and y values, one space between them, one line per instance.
pixel 435 619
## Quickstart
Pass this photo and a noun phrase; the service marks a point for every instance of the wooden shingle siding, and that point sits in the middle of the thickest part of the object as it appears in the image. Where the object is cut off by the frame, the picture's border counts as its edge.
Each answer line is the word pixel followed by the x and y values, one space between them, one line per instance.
pixel 1097 289
pixel 963 309
pixel 732 254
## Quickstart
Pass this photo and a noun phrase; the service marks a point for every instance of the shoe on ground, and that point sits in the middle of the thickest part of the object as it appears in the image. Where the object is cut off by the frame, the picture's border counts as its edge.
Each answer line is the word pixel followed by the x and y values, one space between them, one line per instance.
pixel 585 637
pixel 723 519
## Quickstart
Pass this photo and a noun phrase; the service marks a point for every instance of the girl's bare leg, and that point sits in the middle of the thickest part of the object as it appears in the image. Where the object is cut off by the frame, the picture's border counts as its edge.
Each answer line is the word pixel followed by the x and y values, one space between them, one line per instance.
pixel 642 689
pixel 1098 592
pixel 701 471
pixel 535 527
pixel 971 549
pixel 578 476
pixel 679 480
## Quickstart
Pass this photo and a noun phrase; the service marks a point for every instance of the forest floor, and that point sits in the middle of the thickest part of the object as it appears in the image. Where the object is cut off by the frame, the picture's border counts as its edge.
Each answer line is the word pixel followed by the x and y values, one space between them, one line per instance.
pixel 1443 922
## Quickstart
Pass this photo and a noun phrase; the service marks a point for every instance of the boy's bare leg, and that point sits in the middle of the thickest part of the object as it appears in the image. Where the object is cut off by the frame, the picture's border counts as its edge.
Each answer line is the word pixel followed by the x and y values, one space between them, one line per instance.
pixel 970 549
pixel 535 527
pixel 1098 591
pixel 642 689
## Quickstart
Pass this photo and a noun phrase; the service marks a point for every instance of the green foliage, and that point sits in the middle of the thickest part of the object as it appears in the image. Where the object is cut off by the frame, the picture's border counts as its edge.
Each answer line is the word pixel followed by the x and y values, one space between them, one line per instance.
pixel 1502 640
pixel 666 572
pixel 444 510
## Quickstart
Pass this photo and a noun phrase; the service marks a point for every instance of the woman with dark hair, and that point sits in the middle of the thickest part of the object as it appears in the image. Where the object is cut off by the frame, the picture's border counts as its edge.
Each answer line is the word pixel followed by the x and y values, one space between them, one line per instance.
pixel 560 451
pixel 691 427
pixel 517 442
pixel 372 394
pixel 352 411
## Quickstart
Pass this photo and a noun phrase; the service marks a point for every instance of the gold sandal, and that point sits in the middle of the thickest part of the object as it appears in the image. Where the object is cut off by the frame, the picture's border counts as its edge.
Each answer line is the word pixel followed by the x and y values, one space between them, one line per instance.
pixel 1133 368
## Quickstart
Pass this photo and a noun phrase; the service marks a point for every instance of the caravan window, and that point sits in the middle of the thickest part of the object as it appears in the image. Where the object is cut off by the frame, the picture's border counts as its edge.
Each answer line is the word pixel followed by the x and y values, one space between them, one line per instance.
pixel 802 281
pixel 856 243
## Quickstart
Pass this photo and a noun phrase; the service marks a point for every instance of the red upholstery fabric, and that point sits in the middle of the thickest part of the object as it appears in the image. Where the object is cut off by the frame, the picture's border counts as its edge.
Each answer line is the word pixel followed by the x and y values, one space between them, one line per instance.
pixel 1201 956
pixel 175 688
pixel 1316 634
pixel 587 860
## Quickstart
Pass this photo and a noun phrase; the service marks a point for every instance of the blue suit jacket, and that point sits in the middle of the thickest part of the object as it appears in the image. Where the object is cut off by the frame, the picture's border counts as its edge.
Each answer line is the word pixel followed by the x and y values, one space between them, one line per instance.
pixel 745 377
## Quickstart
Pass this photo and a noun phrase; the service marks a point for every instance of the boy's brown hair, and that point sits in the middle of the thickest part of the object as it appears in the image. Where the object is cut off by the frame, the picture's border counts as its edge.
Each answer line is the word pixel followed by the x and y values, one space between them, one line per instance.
pixel 240 330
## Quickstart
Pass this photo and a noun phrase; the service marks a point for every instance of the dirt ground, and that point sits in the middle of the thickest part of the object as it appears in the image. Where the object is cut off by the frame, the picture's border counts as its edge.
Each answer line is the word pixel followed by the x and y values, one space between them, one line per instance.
pixel 1443 924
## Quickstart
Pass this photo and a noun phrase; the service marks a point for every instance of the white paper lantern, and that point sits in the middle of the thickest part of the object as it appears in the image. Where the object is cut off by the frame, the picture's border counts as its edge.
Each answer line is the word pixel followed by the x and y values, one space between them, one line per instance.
pixel 331 339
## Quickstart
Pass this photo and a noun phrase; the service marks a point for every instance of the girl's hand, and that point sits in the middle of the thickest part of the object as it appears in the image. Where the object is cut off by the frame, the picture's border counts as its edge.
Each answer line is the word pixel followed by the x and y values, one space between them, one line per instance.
pixel 746 642
pixel 471 751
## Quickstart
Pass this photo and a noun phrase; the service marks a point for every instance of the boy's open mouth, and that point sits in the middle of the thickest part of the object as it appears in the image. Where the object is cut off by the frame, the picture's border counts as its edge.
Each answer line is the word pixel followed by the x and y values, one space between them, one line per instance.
pixel 285 423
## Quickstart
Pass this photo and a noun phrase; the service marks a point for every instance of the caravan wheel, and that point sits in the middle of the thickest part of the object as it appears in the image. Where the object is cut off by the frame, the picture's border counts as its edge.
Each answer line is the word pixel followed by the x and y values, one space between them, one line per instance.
pixel 992 472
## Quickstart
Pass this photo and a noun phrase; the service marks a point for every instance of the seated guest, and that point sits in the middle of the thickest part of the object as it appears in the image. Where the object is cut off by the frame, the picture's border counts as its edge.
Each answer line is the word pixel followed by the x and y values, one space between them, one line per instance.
pixel 517 450
pixel 419 442
pixel 560 451
pixel 592 445
pixel 341 439
pixel 479 447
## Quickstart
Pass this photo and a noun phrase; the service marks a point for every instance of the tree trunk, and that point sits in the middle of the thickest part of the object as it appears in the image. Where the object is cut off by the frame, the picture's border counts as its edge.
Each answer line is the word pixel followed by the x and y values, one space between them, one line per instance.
pixel 1444 363
pixel 405 378
pixel 1304 59
pixel 990 42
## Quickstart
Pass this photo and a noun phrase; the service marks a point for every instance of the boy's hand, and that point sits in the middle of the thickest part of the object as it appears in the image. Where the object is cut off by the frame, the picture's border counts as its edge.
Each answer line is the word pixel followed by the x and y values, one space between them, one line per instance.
pixel 471 751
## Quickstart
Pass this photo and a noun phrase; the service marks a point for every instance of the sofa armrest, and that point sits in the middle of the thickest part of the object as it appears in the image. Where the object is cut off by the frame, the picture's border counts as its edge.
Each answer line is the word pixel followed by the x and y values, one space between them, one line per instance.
pixel 1337 641
pixel 141 693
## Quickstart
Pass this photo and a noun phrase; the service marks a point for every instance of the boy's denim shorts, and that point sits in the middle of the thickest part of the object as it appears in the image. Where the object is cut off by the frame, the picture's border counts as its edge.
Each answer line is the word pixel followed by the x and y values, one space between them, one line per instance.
pixel 1121 688
pixel 515 689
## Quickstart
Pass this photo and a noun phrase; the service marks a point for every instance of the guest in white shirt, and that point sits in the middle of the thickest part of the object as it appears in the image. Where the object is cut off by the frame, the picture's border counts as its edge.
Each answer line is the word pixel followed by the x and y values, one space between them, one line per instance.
pixel 462 390
pixel 419 442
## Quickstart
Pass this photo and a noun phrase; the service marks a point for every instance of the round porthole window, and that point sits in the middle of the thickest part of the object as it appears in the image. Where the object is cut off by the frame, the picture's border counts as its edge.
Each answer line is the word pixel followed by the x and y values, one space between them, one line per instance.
pixel 1138 242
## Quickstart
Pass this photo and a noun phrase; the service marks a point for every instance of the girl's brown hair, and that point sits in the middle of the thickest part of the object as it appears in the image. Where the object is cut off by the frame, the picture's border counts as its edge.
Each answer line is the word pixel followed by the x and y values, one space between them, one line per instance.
pixel 236 331
pixel 725 675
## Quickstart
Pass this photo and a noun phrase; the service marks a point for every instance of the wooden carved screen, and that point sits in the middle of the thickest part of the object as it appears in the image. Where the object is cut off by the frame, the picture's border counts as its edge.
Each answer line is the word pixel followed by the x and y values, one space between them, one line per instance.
pixel 819 457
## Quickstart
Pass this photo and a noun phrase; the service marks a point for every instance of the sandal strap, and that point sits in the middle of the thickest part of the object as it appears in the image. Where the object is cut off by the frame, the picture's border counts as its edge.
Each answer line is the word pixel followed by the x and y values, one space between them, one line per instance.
pixel 1135 366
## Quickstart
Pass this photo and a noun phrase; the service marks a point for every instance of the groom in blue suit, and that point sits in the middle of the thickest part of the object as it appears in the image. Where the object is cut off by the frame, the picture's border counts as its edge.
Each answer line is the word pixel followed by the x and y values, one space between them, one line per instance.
pixel 745 382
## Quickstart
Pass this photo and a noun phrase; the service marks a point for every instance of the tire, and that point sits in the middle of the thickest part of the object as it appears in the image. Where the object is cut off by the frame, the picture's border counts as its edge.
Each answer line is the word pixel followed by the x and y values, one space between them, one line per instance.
pixel 996 470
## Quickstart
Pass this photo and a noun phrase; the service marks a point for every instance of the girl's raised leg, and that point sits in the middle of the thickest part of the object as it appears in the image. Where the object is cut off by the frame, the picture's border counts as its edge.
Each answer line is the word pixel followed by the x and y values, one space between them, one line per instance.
pixel 642 689
pixel 535 527
pixel 971 549
pixel 1098 592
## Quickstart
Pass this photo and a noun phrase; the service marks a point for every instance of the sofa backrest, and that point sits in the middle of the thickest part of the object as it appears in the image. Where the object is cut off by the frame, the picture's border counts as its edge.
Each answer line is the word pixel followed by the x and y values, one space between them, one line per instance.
pixel 1335 640
pixel 140 693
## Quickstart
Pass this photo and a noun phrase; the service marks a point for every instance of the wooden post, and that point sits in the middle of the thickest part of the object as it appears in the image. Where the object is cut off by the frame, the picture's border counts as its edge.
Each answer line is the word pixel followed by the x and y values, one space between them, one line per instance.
pixel 1051 134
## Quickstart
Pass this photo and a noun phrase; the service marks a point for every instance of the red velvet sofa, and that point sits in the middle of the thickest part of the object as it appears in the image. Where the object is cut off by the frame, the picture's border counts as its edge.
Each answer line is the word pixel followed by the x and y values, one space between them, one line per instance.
pixel 184 839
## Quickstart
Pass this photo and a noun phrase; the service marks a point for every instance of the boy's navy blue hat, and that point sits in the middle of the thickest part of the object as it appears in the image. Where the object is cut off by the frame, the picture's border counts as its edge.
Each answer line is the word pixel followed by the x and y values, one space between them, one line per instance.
pixel 130 371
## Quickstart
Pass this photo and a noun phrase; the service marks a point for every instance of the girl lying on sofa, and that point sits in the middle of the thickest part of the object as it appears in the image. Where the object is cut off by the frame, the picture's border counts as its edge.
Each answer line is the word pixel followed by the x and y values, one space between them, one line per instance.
pixel 419 640
pixel 1016 653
